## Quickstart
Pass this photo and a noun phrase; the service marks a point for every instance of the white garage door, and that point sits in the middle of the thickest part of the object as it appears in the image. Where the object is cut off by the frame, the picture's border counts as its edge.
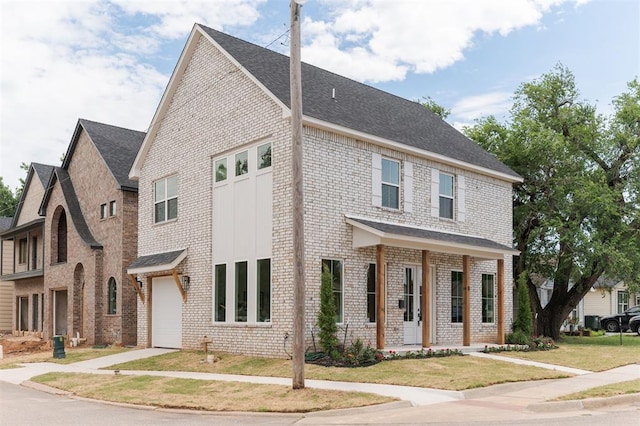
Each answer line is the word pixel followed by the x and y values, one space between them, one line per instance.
pixel 166 317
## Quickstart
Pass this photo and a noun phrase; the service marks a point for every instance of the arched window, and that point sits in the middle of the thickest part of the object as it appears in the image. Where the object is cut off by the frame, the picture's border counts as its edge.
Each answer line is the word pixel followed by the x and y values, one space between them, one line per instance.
pixel 62 238
pixel 113 296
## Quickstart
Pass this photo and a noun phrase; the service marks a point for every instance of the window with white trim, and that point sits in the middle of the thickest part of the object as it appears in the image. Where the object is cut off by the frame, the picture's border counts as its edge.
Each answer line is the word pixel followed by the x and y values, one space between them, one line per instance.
pixel 390 183
pixel 221 169
pixel 241 292
pixel 22 251
pixel 112 208
pixel 456 297
pixel 103 211
pixel 263 287
pixel 446 196
pixel 372 305
pixel 335 267
pixel 623 301
pixel 165 198
pixel 264 156
pixel 242 163
pixel 220 293
pixel 488 298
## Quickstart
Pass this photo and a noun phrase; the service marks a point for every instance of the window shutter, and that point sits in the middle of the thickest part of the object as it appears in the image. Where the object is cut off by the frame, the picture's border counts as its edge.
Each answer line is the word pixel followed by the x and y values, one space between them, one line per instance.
pixel 435 192
pixel 461 199
pixel 376 180
pixel 408 187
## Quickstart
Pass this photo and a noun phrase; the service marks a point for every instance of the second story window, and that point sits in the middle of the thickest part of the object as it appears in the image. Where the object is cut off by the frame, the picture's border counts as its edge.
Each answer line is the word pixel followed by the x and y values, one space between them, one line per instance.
pixel 446 196
pixel 112 208
pixel 165 197
pixel 103 211
pixel 22 253
pixel 390 183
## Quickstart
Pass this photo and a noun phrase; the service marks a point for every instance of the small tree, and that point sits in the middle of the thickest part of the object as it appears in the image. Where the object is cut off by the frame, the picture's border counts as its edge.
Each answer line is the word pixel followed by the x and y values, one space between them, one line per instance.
pixel 524 320
pixel 327 315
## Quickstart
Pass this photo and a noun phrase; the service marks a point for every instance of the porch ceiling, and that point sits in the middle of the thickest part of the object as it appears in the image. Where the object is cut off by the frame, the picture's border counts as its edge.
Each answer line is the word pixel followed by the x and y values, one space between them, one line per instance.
pixel 368 232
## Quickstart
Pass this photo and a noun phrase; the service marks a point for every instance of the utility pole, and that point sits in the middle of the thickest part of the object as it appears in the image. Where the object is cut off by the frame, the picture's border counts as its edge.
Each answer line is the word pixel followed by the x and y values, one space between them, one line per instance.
pixel 295 81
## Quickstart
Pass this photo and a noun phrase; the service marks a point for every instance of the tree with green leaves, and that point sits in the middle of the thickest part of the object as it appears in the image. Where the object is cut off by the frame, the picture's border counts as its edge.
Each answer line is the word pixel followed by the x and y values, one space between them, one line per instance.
pixel 577 213
pixel 435 107
pixel 327 316
pixel 8 200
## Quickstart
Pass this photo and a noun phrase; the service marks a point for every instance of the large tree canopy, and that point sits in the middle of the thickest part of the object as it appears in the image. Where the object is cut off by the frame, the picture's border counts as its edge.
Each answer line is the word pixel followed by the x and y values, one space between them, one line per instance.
pixel 577 213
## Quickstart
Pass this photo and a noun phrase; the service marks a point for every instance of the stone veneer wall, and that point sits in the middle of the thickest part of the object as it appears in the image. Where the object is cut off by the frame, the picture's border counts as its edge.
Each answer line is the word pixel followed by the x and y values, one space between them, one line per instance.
pixel 216 109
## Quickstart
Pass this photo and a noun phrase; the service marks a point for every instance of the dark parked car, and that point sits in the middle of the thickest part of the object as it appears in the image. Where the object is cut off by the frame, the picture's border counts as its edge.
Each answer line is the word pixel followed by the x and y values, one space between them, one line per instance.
pixel 634 324
pixel 611 323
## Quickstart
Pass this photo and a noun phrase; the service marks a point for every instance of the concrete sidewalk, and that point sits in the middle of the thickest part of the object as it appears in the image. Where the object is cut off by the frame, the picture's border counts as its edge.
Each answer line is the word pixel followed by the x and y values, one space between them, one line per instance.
pixel 523 396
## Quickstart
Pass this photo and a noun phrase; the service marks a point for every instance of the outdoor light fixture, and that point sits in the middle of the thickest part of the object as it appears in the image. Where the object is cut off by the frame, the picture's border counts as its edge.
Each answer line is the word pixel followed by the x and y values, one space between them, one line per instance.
pixel 186 280
pixel 139 283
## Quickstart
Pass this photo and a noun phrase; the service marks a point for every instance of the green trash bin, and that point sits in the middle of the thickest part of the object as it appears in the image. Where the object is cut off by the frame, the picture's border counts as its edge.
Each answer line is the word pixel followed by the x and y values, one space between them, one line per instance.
pixel 592 322
pixel 58 347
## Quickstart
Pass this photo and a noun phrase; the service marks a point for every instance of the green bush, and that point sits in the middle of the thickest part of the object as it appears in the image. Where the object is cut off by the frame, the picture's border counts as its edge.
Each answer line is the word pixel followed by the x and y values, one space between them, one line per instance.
pixel 327 316
pixel 524 318
pixel 518 337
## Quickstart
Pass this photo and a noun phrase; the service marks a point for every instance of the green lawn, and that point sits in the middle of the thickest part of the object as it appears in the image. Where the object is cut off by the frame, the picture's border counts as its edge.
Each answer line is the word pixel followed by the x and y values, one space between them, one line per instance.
pixel 451 373
pixel 588 353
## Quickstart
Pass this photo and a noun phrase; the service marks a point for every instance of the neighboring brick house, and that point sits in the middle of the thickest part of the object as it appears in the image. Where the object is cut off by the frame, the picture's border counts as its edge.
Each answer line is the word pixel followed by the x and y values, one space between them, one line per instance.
pixel 394 197
pixel 90 210
pixel 6 287
pixel 23 253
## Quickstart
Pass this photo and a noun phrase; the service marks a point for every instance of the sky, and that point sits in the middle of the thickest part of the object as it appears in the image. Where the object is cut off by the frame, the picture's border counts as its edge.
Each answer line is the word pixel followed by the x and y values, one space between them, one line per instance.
pixel 110 61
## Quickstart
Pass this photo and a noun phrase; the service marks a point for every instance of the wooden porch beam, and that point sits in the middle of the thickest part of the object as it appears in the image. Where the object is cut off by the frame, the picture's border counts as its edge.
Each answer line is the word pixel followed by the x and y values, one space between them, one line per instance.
pixel 179 284
pixel 466 300
pixel 426 302
pixel 136 287
pixel 500 339
pixel 380 286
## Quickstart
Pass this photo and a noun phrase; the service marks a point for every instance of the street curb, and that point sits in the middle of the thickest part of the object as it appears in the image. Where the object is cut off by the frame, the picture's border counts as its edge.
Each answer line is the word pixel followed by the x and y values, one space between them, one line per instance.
pixel 360 410
pixel 583 404
pixel 44 388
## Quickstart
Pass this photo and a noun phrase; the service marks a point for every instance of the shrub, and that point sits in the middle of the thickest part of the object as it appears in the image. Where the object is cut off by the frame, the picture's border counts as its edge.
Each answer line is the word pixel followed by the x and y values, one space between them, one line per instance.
pixel 327 315
pixel 524 318
pixel 518 337
pixel 359 355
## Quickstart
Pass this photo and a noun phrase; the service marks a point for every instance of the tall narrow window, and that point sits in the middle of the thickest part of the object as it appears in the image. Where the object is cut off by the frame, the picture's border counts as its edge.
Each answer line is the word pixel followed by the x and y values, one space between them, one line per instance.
pixel 112 208
pixel 241 291
pixel 34 252
pixel 488 298
pixel 103 211
pixel 22 252
pixel 220 302
pixel 335 267
pixel 390 183
pixel 264 290
pixel 623 301
pixel 446 196
pixel 62 238
pixel 456 296
pixel 165 195
pixel 371 293
pixel 112 296
pixel 408 294
pixel 35 304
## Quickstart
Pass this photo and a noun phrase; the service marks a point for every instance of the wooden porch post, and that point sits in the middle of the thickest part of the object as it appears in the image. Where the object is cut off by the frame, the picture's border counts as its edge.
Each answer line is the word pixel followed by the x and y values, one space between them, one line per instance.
pixel 500 339
pixel 426 302
pixel 149 311
pixel 380 286
pixel 466 300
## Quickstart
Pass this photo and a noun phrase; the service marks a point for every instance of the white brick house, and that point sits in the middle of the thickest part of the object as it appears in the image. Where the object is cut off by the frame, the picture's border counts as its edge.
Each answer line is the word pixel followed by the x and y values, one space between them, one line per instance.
pixel 394 197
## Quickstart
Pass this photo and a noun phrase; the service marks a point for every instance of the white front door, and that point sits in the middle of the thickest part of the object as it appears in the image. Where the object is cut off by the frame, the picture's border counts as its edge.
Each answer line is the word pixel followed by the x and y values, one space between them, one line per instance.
pixel 412 299
pixel 413 303
pixel 166 314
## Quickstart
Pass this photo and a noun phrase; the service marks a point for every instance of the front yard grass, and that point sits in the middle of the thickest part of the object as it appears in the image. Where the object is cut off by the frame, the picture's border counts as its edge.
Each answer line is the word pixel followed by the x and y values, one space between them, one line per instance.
pixel 588 353
pixel 170 392
pixel 623 388
pixel 449 373
pixel 72 355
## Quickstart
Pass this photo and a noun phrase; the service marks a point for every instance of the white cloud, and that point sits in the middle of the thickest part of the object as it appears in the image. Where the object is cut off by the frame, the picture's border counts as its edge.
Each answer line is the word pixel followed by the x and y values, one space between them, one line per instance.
pixel 474 107
pixel 65 60
pixel 396 37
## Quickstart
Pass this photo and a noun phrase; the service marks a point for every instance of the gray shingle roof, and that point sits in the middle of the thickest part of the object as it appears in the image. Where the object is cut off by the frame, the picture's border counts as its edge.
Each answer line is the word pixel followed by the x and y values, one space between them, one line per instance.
pixel 410 231
pixel 358 106
pixel 156 259
pixel 74 211
pixel 117 146
pixel 44 172
pixel 5 223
